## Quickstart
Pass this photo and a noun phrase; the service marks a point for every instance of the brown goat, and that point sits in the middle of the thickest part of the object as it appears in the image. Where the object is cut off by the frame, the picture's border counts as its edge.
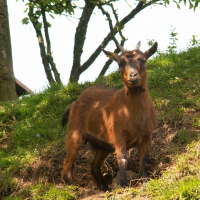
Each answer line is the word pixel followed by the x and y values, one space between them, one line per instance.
pixel 113 120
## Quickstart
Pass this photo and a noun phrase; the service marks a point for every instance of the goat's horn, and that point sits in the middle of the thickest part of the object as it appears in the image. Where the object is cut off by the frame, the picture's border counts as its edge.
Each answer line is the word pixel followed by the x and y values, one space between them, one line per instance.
pixel 121 48
pixel 138 45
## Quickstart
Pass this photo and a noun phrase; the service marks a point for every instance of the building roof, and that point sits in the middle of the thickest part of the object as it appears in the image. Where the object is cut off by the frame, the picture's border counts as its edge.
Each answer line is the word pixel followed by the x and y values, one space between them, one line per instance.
pixel 21 89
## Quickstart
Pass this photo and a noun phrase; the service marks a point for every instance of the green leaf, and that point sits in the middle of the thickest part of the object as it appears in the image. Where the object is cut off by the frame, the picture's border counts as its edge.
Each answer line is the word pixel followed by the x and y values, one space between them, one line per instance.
pixel 48 9
pixel 48 24
pixel 196 5
pixel 166 2
pixel 70 10
pixel 39 26
pixel 178 6
pixel 37 13
pixel 25 20
pixel 55 10
pixel 25 10
pixel 64 2
pixel 52 16
pixel 191 5
pixel 33 19
pixel 44 2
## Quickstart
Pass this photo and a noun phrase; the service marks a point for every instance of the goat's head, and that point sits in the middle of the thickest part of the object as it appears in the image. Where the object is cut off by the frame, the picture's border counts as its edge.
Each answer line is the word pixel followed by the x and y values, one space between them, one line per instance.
pixel 132 64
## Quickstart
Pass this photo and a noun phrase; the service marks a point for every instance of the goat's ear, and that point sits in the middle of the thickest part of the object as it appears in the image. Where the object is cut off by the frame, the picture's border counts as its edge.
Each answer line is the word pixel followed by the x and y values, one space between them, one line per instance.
pixel 111 55
pixel 151 51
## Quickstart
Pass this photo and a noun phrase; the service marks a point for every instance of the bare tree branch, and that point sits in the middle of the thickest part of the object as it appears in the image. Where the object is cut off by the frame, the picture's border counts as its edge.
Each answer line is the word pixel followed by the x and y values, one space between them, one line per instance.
pixel 106 2
pixel 117 50
pixel 117 20
pixel 42 47
pixel 48 43
pixel 109 61
pixel 110 25
pixel 140 6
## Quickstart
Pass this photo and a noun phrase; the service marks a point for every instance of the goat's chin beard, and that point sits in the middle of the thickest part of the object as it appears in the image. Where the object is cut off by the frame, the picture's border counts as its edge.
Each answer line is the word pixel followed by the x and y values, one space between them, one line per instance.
pixel 133 85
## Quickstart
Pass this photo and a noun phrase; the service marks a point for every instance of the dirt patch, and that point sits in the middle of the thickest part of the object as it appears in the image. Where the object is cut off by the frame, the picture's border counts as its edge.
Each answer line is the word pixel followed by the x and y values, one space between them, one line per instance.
pixel 48 168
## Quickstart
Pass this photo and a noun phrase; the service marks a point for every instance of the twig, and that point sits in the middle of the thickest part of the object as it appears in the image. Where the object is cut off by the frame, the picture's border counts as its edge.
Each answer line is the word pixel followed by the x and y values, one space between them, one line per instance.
pixel 117 20
pixel 110 24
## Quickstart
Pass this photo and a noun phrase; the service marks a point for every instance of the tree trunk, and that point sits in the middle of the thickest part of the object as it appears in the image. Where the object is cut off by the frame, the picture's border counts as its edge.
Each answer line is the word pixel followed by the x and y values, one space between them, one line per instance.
pixel 7 79
pixel 80 39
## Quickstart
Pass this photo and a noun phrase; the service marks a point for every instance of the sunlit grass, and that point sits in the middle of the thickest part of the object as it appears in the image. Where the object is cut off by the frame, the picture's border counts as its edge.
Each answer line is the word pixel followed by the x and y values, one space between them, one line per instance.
pixel 46 192
pixel 182 181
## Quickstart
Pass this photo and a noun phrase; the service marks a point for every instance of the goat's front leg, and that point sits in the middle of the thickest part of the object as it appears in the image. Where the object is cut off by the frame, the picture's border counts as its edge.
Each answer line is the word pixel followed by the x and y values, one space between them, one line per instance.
pixel 122 161
pixel 144 149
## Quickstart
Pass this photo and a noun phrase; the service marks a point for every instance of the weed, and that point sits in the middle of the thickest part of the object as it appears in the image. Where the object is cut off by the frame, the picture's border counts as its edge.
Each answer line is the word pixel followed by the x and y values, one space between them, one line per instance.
pixel 182 136
pixel 7 184
pixel 196 121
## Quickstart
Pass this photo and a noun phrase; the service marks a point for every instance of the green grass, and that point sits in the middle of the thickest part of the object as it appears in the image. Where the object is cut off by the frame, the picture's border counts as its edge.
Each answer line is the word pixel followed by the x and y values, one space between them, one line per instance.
pixel 30 128
pixel 45 192
pixel 174 83
pixel 182 181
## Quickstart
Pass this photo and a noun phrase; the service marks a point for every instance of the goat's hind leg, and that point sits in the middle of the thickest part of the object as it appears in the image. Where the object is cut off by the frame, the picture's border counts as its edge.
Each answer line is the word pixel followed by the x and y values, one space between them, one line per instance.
pixel 96 164
pixel 73 143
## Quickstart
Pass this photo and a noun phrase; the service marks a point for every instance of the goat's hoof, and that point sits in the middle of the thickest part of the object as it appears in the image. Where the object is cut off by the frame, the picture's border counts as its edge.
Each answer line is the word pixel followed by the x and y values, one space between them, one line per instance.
pixel 66 180
pixel 144 182
pixel 123 184
pixel 106 189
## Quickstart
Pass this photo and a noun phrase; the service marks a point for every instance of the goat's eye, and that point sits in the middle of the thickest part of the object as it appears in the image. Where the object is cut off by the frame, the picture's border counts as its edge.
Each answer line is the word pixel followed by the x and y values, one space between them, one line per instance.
pixel 140 61
pixel 122 63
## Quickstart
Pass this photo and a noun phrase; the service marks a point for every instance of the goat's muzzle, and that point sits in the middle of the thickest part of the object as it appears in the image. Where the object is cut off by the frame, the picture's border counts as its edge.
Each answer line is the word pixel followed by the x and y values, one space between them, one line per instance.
pixel 133 78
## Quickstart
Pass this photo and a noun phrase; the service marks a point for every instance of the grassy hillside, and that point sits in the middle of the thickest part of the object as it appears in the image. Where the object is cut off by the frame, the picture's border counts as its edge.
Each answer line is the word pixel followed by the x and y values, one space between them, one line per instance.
pixel 32 140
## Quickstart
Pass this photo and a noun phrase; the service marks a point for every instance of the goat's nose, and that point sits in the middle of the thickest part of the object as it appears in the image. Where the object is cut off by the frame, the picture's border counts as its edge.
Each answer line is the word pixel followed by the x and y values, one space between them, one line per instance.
pixel 133 74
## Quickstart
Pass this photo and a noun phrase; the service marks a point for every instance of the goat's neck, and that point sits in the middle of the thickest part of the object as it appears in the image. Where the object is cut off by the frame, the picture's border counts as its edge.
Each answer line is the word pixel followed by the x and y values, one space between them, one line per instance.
pixel 137 95
pixel 136 90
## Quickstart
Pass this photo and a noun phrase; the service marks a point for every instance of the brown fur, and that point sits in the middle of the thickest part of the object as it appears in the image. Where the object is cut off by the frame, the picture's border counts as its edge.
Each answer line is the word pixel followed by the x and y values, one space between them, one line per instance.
pixel 113 121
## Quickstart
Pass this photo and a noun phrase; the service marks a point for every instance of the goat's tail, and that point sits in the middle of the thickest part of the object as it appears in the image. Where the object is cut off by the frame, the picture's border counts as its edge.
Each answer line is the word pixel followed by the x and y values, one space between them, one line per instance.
pixel 65 117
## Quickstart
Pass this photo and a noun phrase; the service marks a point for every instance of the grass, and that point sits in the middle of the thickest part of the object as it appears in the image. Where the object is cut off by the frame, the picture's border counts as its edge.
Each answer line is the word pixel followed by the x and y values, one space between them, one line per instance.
pixel 182 181
pixel 46 192
pixel 30 129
